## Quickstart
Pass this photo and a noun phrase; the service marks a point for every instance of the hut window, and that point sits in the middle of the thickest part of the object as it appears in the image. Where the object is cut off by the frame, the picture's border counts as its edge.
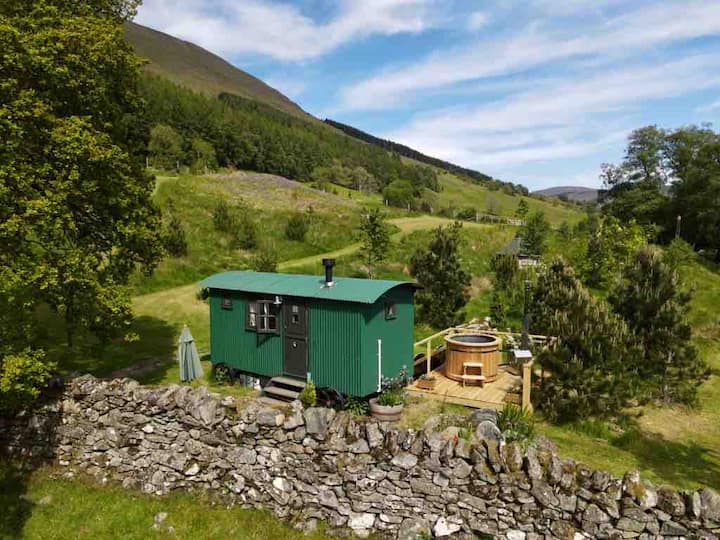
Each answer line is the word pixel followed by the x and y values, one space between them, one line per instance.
pixel 226 302
pixel 262 316
pixel 267 317
pixel 390 310
pixel 252 310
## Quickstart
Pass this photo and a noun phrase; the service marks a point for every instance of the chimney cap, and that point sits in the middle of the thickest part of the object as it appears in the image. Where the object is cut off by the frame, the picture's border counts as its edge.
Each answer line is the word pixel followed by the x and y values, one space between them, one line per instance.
pixel 328 264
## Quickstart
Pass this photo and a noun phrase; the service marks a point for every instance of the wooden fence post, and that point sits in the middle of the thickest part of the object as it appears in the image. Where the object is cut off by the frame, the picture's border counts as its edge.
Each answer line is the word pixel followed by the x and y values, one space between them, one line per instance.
pixel 526 383
pixel 428 357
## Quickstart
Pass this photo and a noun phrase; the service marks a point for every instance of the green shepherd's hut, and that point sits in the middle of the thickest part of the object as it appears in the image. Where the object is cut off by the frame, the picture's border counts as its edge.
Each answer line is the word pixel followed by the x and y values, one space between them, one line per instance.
pixel 344 334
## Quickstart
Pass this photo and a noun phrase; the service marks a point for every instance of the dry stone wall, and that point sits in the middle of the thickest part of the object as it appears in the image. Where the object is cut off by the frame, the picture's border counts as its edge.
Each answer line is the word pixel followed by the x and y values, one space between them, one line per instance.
pixel 316 464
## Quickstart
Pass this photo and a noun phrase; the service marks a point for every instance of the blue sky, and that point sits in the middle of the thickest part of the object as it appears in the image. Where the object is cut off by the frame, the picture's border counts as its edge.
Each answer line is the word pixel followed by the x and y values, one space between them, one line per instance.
pixel 539 92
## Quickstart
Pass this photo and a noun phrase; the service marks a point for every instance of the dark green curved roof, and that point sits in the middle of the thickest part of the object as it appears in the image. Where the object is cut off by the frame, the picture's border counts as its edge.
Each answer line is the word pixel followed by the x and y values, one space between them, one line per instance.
pixel 365 291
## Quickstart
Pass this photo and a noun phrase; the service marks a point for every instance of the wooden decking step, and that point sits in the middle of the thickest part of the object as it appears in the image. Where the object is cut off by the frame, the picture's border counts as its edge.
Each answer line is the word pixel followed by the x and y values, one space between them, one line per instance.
pixel 284 392
pixel 473 377
pixel 472 364
pixel 288 381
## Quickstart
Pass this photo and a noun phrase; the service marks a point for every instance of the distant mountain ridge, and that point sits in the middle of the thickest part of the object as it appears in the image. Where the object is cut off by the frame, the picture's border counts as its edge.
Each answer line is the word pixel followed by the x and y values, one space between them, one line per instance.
pixel 571 193
pixel 191 66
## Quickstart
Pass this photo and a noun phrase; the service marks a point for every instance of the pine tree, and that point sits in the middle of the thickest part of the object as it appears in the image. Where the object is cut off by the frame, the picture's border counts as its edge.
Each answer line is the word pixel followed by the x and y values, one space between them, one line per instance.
pixel 174 239
pixel 522 209
pixel 296 228
pixel 651 301
pixel 591 364
pixel 535 233
pixel 445 283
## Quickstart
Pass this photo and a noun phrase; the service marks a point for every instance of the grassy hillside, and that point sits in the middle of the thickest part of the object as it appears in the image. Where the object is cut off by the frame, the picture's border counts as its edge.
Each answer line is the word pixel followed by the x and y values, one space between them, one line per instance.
pixel 459 194
pixel 676 445
pixel 269 200
pixel 188 65
pixel 571 193
pixel 166 300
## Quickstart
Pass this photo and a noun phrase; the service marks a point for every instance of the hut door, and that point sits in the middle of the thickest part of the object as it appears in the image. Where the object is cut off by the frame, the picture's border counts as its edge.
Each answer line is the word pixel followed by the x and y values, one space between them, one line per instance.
pixel 295 322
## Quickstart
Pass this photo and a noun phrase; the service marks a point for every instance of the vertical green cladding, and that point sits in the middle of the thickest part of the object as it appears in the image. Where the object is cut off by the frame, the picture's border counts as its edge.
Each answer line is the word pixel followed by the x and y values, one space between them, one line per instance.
pixel 335 348
pixel 396 335
pixel 342 340
pixel 232 344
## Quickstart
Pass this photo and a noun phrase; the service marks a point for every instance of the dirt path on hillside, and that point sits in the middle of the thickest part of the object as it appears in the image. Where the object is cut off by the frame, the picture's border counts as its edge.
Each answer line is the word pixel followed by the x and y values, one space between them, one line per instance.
pixel 406 225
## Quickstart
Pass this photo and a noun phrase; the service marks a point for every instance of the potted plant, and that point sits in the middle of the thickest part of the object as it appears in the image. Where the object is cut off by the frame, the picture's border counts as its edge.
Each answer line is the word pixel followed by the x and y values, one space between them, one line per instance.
pixel 388 405
pixel 426 382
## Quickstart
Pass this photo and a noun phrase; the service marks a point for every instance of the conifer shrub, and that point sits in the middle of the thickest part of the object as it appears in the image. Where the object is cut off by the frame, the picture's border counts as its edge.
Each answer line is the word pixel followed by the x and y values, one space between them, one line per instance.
pixel 222 219
pixel 244 232
pixel 265 260
pixel 296 228
pixel 174 238
pixel 308 396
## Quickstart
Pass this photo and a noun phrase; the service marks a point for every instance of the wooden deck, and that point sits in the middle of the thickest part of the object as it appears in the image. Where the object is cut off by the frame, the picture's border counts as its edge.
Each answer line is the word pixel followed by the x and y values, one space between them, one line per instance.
pixel 493 395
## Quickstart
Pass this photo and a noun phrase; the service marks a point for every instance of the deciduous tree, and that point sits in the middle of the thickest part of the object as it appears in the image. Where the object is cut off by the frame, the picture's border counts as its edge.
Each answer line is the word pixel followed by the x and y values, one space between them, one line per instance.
pixel 610 247
pixel 165 147
pixel 76 215
pixel 375 237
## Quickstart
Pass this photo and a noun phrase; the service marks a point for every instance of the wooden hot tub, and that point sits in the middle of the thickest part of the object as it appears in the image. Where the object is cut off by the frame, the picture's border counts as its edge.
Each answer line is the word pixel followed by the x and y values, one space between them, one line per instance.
pixel 472 358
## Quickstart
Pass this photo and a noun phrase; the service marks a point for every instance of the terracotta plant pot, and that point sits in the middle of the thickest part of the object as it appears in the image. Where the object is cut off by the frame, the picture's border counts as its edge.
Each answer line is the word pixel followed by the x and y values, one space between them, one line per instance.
pixel 426 384
pixel 385 413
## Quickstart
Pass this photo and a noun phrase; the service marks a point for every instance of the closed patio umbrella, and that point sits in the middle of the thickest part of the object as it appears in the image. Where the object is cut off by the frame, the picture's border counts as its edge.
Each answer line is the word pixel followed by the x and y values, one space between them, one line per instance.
pixel 188 357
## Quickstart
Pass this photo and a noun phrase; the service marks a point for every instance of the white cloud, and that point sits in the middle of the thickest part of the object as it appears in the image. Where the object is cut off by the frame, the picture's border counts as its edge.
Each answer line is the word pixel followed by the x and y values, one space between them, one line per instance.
pixel 533 46
pixel 558 120
pixel 281 30
pixel 712 106
pixel 477 20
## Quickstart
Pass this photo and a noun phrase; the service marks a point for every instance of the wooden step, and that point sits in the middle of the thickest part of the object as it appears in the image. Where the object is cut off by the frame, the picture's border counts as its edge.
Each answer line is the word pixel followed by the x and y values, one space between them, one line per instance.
pixel 284 392
pixel 288 381
pixel 272 402
pixel 473 377
pixel 472 364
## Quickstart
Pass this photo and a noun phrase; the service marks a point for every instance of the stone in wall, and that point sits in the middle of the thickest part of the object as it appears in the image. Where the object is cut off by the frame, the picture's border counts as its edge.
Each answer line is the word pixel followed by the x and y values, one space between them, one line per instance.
pixel 356 474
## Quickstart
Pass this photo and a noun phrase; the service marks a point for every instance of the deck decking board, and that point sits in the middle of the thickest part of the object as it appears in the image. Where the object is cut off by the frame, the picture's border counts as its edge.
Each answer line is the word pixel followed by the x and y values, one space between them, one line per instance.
pixel 490 395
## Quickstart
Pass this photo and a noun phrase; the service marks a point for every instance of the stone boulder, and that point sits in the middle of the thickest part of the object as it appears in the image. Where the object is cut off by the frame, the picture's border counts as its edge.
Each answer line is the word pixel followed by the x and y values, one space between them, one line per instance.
pixel 317 420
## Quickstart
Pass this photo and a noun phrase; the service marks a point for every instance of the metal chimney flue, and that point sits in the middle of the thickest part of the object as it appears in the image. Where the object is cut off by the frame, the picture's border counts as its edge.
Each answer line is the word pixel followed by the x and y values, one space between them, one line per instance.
pixel 328 264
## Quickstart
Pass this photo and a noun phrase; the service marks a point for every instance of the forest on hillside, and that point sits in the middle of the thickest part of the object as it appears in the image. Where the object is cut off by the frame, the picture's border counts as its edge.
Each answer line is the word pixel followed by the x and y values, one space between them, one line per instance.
pixel 179 127
pixel 411 153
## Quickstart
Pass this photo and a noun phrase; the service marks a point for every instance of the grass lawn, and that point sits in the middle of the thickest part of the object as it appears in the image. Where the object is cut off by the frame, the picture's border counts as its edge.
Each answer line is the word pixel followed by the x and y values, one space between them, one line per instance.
pixel 43 506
